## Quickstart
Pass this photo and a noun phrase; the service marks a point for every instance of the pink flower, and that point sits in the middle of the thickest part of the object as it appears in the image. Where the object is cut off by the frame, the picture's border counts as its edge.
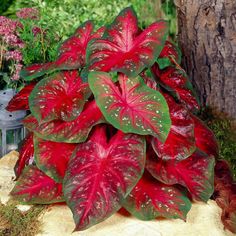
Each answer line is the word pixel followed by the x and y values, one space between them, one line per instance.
pixel 13 55
pixel 8 26
pixel 16 74
pixel 28 13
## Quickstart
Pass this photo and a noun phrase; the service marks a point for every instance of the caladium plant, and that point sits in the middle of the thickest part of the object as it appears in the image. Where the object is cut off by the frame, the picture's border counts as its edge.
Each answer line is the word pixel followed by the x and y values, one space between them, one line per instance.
pixel 111 126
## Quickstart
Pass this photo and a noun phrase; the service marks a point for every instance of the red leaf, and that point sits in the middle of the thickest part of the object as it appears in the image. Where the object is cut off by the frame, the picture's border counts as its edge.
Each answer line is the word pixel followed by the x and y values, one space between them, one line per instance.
pixel 180 142
pixel 101 174
pixel 171 51
pixel 34 71
pixel 20 100
pixel 26 155
pixel 122 49
pixel 177 81
pixel 132 108
pixel 75 131
pixel 71 53
pixel 34 187
pixel 205 138
pixel 52 157
pixel 61 96
pixel 150 199
pixel 196 173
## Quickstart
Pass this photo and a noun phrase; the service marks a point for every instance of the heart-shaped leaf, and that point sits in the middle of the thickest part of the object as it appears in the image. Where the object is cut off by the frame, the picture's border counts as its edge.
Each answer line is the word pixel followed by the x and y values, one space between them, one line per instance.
pixel 75 131
pixel 35 187
pixel 100 175
pixel 205 138
pixel 196 173
pixel 123 49
pixel 177 82
pixel 20 100
pixel 71 53
pixel 26 155
pixel 52 157
pixel 150 199
pixel 61 96
pixel 180 142
pixel 133 107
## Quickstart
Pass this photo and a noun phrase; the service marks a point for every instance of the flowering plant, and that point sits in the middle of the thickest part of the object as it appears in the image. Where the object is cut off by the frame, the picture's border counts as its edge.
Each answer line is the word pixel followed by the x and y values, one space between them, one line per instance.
pixel 23 42
pixel 112 125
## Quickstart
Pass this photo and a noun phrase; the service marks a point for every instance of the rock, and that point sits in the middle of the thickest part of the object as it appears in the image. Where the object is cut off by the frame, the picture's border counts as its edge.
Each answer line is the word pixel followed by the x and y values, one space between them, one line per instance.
pixel 7 175
pixel 202 220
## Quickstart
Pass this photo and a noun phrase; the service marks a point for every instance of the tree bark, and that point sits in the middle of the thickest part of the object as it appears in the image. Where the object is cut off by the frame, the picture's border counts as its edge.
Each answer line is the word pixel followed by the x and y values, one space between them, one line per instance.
pixel 207 38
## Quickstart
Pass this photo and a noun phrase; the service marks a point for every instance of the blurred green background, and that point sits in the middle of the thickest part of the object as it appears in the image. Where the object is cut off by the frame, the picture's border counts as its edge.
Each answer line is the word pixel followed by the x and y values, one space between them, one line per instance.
pixel 67 15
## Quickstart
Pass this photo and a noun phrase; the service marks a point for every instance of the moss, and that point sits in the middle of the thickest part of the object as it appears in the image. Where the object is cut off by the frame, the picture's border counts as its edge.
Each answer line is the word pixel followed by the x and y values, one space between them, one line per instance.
pixel 225 135
pixel 13 222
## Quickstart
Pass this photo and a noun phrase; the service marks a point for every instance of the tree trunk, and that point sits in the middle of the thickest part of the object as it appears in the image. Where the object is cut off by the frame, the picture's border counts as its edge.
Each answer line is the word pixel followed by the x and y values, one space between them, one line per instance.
pixel 207 37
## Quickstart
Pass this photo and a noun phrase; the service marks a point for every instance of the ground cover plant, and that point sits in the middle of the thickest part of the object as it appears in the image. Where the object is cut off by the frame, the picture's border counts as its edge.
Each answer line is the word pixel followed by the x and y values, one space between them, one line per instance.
pixel 112 125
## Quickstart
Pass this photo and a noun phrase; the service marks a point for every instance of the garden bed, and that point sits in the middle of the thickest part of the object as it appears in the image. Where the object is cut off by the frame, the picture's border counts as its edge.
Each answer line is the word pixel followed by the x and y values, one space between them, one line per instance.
pixel 56 220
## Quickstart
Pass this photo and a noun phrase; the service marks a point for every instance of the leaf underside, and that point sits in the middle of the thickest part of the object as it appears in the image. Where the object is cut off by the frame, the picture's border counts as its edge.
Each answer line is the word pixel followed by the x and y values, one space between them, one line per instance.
pixel 180 142
pixel 20 100
pixel 26 155
pixel 205 138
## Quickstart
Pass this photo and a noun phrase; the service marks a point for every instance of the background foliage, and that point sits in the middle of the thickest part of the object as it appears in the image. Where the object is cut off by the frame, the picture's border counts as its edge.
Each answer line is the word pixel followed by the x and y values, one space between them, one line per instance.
pixel 65 18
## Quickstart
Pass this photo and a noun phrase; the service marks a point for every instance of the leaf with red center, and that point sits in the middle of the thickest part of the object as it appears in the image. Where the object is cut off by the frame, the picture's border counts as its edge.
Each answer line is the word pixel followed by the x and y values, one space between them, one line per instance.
pixel 172 51
pixel 205 138
pixel 177 81
pixel 169 55
pixel 101 174
pixel 61 96
pixel 52 157
pixel 71 53
pixel 20 100
pixel 123 49
pixel 150 199
pixel 135 109
pixel 180 142
pixel 75 131
pixel 26 155
pixel 34 71
pixel 35 187
pixel 196 173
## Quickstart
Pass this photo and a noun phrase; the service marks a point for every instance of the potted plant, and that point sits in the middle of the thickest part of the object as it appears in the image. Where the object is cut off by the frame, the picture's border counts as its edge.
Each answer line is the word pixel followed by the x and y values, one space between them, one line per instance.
pixel 113 125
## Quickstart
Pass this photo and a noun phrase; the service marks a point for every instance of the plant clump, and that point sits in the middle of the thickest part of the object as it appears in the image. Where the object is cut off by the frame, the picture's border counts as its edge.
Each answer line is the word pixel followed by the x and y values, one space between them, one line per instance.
pixel 113 125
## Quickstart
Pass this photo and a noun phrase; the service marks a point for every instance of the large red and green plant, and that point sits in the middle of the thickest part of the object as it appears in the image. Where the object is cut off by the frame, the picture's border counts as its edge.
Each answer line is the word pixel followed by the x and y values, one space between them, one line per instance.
pixel 112 125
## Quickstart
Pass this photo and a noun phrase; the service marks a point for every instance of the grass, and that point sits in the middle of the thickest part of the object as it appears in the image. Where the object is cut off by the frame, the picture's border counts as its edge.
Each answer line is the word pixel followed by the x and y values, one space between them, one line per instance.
pixel 13 222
